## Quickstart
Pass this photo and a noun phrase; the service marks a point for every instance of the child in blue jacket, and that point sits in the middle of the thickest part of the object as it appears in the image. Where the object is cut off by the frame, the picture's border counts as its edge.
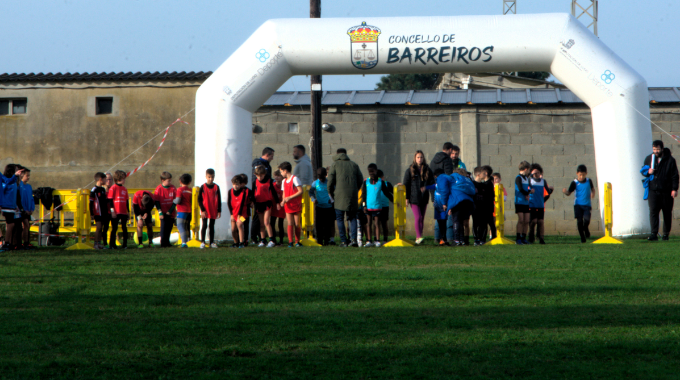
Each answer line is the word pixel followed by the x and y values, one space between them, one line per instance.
pixel 457 191
pixel 28 206
pixel 439 211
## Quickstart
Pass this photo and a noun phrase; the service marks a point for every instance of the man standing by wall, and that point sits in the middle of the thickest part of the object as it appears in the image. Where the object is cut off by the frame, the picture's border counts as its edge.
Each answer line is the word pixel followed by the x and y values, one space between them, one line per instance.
pixel 442 160
pixel 662 189
pixel 267 157
pixel 455 158
pixel 303 165
pixel 344 181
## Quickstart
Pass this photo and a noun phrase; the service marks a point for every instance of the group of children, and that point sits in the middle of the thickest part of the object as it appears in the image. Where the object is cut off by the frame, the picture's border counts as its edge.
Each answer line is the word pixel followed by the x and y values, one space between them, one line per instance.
pixel 109 205
pixel 16 201
pixel 457 197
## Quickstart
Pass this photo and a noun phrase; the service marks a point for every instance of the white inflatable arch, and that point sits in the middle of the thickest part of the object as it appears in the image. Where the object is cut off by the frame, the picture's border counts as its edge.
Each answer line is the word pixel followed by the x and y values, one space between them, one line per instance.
pixel 557 43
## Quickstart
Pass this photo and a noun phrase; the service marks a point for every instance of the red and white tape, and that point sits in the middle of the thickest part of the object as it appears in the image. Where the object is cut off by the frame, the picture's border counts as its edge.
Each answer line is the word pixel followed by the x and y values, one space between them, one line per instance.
pixel 159 146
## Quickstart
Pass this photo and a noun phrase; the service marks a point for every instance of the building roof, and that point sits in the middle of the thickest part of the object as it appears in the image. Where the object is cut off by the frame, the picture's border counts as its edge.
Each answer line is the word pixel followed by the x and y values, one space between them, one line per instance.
pixel 472 96
pixel 91 77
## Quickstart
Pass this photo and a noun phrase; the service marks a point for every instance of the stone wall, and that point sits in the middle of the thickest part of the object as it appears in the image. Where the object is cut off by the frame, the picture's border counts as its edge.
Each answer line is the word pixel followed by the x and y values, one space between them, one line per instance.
pixel 64 142
pixel 559 137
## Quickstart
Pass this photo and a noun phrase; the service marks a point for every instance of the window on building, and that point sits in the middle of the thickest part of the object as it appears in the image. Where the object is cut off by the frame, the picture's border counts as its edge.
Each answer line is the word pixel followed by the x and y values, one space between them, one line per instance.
pixel 104 106
pixel 18 106
pixel 292 127
pixel 12 106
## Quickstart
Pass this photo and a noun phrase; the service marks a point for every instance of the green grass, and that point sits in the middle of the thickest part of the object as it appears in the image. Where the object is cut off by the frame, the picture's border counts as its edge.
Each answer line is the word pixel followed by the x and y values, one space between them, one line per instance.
pixel 560 311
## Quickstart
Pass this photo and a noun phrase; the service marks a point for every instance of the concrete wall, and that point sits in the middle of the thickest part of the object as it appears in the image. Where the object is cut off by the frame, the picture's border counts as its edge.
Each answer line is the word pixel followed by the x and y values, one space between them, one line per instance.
pixel 64 143
pixel 559 137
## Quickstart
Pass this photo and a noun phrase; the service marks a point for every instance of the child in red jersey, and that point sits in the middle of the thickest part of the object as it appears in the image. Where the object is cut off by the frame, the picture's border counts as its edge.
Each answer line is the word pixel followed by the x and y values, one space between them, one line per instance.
pixel 119 207
pixel 210 202
pixel 142 205
pixel 165 194
pixel 278 213
pixel 99 208
pixel 265 198
pixel 183 202
pixel 292 202
pixel 238 201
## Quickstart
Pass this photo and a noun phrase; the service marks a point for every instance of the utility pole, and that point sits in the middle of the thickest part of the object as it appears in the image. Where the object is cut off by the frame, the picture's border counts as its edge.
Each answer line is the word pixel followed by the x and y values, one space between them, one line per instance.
pixel 315 104
pixel 590 10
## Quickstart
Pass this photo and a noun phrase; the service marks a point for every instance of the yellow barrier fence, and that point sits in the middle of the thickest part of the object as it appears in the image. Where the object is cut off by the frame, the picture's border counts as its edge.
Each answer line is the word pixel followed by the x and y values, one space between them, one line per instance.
pixel 500 217
pixel 608 218
pixel 307 219
pixel 400 219
pixel 77 202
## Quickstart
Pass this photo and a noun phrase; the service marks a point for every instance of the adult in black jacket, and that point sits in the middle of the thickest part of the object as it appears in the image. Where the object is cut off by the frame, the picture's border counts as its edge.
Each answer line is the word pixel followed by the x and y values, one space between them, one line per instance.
pixel 267 157
pixel 662 189
pixel 442 160
pixel 417 177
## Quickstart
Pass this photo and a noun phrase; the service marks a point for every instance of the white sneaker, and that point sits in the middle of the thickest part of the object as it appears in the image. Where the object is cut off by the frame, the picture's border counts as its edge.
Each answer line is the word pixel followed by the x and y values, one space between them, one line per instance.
pixel 419 240
pixel 377 244
pixel 213 245
pixel 368 244
pixel 202 245
pixel 261 245
pixel 271 244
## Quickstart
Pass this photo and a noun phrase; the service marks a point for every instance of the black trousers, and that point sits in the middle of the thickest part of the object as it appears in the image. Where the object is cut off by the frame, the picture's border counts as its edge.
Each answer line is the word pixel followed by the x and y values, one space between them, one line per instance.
pixel 325 217
pixel 122 219
pixel 204 226
pixel 166 229
pixel 660 201
pixel 480 222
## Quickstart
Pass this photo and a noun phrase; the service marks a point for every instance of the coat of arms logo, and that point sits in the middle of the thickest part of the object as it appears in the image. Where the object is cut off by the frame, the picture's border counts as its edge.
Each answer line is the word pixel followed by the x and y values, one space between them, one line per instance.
pixel 364 42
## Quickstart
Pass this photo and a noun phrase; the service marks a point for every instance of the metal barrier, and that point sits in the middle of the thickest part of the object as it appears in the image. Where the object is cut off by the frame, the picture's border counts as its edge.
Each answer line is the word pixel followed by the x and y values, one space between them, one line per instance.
pixel 499 204
pixel 307 220
pixel 399 219
pixel 77 202
pixel 608 218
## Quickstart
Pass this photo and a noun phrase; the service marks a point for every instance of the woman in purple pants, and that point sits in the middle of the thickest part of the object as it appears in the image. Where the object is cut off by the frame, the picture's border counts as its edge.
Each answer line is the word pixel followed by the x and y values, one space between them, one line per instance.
pixel 417 176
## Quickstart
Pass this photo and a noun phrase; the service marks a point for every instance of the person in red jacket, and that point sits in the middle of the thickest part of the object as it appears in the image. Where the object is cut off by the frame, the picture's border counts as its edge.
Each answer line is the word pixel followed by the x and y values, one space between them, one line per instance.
pixel 119 207
pixel 142 205
pixel 210 202
pixel 265 197
pixel 238 201
pixel 183 202
pixel 292 202
pixel 278 213
pixel 165 194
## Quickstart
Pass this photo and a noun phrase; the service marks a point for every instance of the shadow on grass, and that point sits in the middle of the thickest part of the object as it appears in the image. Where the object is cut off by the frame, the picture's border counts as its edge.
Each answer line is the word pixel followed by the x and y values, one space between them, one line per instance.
pixel 75 335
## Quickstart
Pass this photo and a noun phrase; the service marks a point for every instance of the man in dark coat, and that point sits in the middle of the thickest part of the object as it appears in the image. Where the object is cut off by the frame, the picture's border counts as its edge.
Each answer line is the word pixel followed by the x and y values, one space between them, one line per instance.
pixel 662 189
pixel 267 157
pixel 442 160
pixel 344 181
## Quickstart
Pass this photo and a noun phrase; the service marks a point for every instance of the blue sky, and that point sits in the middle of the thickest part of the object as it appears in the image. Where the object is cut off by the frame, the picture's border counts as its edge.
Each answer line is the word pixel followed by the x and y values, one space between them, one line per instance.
pixel 171 35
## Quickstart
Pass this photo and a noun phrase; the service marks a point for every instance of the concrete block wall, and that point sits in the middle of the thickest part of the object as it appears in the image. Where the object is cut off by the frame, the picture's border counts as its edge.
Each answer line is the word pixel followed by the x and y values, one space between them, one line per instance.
pixel 559 137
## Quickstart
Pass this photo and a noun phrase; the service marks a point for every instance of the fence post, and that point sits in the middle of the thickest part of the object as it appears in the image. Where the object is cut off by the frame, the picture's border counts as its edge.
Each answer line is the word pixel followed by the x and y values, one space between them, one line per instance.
pixel 81 220
pixel 399 219
pixel 608 218
pixel 499 204
pixel 307 219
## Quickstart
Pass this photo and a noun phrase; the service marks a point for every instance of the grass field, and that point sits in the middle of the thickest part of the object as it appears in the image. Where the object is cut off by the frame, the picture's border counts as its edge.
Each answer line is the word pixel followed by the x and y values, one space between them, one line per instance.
pixel 560 311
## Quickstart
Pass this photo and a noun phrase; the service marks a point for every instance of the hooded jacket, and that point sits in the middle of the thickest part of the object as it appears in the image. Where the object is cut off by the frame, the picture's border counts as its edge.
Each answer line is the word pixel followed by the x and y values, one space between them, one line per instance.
pixel 454 189
pixel 665 173
pixel 442 160
pixel 304 170
pixel 344 181
pixel 415 182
